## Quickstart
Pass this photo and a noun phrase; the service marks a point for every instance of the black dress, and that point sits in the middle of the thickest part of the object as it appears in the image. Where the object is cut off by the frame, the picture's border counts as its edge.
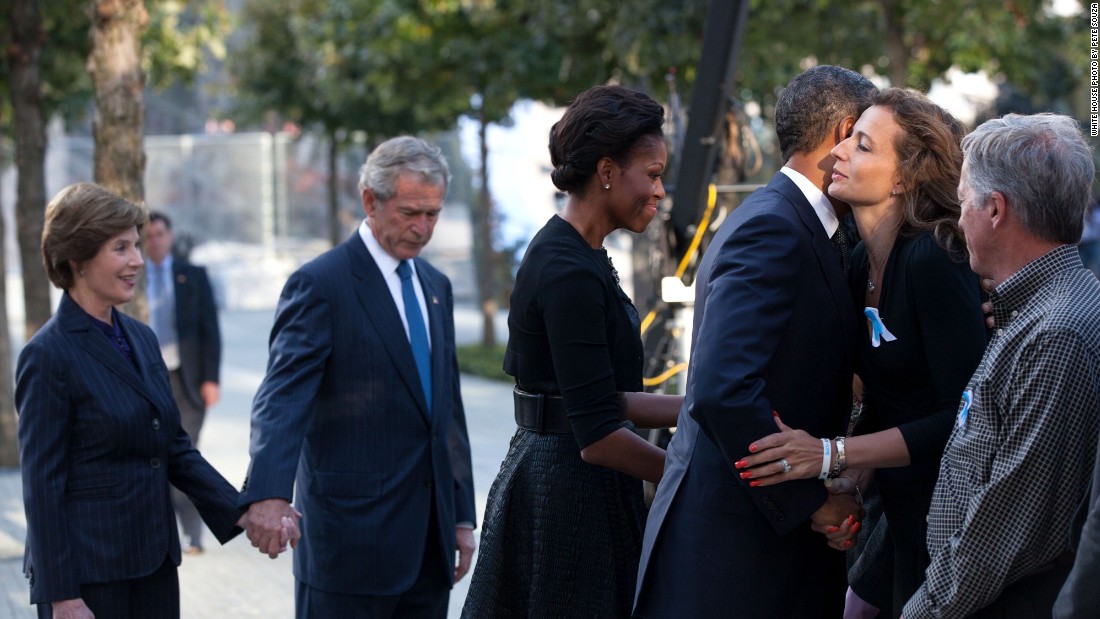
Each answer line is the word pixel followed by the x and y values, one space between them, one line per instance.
pixel 932 304
pixel 561 537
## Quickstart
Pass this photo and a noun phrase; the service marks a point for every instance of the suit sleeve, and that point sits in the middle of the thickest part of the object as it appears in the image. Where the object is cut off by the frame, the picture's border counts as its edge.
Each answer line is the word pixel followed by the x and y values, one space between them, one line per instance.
pixel 301 342
pixel 44 426
pixel 945 300
pixel 750 300
pixel 209 334
pixel 458 441
pixel 1080 596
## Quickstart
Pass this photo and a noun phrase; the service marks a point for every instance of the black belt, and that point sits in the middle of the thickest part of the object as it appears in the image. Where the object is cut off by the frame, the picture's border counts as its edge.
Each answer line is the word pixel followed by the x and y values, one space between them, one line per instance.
pixel 541 413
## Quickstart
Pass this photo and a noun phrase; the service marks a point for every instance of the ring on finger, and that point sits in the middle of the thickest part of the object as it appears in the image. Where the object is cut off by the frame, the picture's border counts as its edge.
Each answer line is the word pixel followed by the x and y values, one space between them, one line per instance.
pixel 786 465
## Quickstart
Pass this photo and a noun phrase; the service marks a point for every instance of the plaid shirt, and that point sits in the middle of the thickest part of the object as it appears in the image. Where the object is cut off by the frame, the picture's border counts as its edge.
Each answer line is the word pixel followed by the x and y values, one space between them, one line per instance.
pixel 1020 457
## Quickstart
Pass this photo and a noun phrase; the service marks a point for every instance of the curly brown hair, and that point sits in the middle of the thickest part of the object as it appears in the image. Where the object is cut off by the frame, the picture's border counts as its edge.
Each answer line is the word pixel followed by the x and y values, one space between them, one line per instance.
pixel 929 163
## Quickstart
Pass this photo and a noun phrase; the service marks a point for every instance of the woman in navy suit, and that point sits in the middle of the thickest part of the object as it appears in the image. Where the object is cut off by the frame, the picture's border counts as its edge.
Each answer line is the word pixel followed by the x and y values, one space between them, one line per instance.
pixel 923 332
pixel 99 432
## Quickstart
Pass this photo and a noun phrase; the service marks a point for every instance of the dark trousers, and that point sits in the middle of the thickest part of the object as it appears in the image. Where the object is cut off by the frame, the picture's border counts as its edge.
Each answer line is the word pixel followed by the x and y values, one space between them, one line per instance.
pixel 191 418
pixel 156 596
pixel 427 599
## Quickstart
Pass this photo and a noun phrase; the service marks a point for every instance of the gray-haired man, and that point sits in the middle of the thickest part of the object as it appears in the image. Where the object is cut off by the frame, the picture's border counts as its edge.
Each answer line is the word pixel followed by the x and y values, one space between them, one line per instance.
pixel 1020 457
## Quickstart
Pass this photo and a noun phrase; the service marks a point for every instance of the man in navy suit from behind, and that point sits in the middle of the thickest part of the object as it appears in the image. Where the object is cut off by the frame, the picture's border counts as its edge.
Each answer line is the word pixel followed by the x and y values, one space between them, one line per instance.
pixel 774 331
pixel 361 409
pixel 184 316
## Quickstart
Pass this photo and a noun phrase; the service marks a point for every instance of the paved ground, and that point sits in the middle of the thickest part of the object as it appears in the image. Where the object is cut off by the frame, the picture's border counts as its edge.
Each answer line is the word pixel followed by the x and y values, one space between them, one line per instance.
pixel 234 580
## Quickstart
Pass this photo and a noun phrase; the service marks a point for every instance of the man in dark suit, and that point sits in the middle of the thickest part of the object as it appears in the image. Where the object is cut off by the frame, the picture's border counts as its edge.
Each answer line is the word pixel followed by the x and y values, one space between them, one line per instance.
pixel 184 317
pixel 774 328
pixel 362 398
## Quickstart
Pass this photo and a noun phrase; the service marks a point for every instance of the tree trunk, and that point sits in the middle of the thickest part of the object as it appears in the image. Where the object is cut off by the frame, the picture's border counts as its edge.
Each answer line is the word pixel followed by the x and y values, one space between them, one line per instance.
pixel 24 57
pixel 336 233
pixel 119 122
pixel 896 49
pixel 484 255
pixel 29 127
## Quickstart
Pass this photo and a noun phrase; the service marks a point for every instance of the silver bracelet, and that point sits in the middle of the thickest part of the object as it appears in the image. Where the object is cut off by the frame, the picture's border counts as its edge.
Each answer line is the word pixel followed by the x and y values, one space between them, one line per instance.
pixel 841 463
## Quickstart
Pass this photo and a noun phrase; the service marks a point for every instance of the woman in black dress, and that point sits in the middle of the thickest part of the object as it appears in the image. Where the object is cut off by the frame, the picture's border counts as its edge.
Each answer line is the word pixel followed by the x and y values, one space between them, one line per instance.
pixel 923 328
pixel 563 524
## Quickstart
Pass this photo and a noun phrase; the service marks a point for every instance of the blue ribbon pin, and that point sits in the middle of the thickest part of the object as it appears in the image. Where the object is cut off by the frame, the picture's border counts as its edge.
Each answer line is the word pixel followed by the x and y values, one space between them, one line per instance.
pixel 968 397
pixel 879 331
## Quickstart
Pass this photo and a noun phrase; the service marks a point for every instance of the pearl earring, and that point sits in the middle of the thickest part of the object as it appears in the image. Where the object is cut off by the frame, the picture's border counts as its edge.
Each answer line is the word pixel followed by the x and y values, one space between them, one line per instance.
pixel 607 186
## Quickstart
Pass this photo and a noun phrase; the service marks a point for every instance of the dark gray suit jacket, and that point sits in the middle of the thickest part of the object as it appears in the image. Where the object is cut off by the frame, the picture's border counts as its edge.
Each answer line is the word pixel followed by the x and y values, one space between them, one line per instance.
pixel 1080 596
pixel 100 441
pixel 200 343
pixel 342 414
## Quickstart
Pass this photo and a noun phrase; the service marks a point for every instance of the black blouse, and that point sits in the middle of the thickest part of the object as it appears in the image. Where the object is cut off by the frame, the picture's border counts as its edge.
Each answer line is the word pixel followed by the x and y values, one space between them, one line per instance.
pixel 933 305
pixel 572 331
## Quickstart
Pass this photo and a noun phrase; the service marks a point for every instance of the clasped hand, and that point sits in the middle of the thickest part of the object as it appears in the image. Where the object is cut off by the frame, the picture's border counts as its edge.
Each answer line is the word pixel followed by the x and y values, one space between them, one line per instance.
pixel 839 518
pixel 271 525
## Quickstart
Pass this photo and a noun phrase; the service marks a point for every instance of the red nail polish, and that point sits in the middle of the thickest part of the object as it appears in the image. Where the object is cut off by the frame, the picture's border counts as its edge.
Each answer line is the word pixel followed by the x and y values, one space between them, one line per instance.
pixel 753 448
pixel 855 528
pixel 754 483
pixel 746 475
pixel 848 544
pixel 833 529
pixel 851 519
pixel 740 464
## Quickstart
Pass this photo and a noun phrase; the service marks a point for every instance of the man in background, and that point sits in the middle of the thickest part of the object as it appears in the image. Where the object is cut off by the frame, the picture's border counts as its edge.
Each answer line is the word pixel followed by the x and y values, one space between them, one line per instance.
pixel 184 317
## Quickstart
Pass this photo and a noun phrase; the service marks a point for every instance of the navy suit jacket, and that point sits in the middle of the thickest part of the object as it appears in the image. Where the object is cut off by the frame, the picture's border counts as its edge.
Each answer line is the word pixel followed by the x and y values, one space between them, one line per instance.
pixel 100 441
pixel 341 412
pixel 200 342
pixel 773 330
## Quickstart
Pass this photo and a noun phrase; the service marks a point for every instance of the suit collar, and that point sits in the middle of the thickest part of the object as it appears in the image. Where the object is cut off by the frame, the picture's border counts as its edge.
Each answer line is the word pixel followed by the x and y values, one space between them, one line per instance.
pixel 817 199
pixel 823 250
pixel 381 311
pixel 75 320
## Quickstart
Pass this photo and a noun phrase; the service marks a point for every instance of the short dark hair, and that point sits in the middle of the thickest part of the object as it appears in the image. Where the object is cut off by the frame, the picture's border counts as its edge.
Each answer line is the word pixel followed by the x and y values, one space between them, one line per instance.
pixel 603 121
pixel 814 102
pixel 155 216
pixel 79 220
pixel 1042 165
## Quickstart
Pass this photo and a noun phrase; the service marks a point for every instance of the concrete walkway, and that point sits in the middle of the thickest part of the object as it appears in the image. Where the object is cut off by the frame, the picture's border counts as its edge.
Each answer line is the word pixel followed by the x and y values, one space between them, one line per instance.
pixel 235 580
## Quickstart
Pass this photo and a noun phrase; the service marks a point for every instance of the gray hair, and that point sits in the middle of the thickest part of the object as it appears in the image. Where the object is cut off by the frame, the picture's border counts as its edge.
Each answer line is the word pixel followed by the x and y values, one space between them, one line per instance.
pixel 1041 164
pixel 402 155
pixel 814 102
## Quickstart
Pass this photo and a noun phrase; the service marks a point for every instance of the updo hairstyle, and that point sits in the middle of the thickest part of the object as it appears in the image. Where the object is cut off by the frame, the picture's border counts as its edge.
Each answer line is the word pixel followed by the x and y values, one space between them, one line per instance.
pixel 603 121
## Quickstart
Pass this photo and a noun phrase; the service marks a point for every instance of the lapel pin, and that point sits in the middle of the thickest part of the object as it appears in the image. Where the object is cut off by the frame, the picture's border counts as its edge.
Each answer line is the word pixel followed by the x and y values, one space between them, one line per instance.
pixel 181 278
pixel 435 300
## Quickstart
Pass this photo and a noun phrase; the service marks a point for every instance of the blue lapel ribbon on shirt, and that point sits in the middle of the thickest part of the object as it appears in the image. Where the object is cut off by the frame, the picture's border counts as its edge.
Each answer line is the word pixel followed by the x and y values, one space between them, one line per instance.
pixel 879 331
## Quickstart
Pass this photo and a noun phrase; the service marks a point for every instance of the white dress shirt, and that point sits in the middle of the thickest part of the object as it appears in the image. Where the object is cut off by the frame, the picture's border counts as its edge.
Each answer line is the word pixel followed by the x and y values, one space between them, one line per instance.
pixel 388 265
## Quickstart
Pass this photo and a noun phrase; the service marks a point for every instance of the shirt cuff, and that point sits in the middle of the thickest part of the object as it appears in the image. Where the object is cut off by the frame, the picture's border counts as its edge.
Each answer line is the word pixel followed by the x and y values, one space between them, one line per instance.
pixel 464 525
pixel 918 606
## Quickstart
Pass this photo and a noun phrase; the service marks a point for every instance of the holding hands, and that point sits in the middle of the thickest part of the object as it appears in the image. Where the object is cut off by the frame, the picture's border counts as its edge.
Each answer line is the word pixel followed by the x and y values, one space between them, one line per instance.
pixel 271 525
pixel 793 454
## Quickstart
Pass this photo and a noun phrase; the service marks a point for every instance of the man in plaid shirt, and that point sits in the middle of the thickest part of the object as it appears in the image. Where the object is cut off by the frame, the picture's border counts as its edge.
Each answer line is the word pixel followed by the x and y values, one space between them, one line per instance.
pixel 1021 455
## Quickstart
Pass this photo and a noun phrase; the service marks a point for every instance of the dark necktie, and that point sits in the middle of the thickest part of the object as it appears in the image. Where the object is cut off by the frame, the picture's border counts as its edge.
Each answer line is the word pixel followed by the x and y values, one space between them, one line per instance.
pixel 418 334
pixel 842 246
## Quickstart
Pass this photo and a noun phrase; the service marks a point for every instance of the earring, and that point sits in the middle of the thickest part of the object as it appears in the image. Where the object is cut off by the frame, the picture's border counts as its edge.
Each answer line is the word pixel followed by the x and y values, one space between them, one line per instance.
pixel 607 186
